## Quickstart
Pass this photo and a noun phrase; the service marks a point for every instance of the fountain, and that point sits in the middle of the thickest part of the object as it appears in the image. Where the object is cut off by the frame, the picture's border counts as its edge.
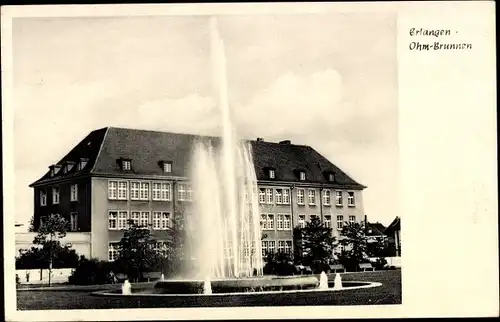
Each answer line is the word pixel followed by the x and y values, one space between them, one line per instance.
pixel 323 281
pixel 225 238
pixel 162 277
pixel 126 288
pixel 337 282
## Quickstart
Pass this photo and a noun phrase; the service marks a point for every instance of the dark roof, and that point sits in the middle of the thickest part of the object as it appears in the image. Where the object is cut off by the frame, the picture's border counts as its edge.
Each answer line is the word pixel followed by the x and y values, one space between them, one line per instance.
pixel 147 149
pixel 395 225
pixel 375 229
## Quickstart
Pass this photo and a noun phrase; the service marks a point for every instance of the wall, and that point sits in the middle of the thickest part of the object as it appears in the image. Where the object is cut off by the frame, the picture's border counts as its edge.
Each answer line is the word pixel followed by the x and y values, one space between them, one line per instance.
pixel 39 276
pixel 80 242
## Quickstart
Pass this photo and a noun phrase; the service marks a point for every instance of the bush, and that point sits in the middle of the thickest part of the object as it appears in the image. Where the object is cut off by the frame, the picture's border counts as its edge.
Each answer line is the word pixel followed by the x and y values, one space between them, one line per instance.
pixel 90 272
pixel 380 263
pixel 279 264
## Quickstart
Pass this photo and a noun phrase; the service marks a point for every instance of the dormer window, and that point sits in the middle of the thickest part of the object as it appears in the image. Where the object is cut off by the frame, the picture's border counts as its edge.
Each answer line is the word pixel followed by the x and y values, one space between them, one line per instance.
pixel 167 166
pixel 331 177
pixel 126 165
pixel 82 164
pixel 302 175
pixel 272 173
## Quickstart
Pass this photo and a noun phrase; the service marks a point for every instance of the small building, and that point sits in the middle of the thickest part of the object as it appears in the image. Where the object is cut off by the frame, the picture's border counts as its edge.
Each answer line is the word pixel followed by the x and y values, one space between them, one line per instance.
pixel 393 233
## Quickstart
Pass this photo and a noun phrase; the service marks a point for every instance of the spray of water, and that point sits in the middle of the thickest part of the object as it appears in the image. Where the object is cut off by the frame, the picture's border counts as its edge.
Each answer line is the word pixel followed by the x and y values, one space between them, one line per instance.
pixel 226 211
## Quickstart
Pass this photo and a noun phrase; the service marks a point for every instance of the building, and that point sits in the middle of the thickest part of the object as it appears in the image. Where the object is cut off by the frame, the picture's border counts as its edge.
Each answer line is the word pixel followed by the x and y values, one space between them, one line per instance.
pixel 116 174
pixel 393 232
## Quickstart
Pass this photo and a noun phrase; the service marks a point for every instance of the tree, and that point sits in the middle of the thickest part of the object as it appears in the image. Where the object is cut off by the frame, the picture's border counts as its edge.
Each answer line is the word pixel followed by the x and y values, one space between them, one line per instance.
pixel 49 234
pixel 137 250
pixel 316 243
pixel 31 226
pixel 354 242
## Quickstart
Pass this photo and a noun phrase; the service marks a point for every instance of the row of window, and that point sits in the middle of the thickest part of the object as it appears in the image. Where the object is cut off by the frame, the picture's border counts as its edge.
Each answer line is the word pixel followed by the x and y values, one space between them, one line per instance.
pixel 283 222
pixel 282 196
pixel 118 219
pixel 327 220
pixel 268 247
pixel 56 195
pixel 73 221
pixel 160 191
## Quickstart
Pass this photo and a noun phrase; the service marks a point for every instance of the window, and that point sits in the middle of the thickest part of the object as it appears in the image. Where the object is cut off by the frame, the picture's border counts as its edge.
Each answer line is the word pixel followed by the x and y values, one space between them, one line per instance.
pixel 113 251
pixel 350 199
pixel 313 217
pixel 279 196
pixel 184 191
pixel 161 220
pixel 161 191
pixel 272 174
pixel 73 221
pixel 300 196
pixel 161 247
pixel 331 177
pixel 135 217
pixel 246 250
pixel 271 246
pixel 113 220
pixel 167 166
pixel 134 190
pixel 265 245
pixel 144 191
pixel 326 197
pixel 43 197
pixel 279 222
pixel 42 220
pixel 281 246
pixel 262 195
pixel 122 190
pixel 340 222
pixel 144 220
pixel 312 197
pixel 286 196
pixel 263 221
pixel 302 221
pixel 288 246
pixel 302 176
pixel 74 192
pixel 55 195
pixel 338 198
pixel 117 190
pixel 126 165
pixel 352 219
pixel 341 248
pixel 287 222
pixel 122 220
pixel 269 195
pixel 327 221
pixel 270 222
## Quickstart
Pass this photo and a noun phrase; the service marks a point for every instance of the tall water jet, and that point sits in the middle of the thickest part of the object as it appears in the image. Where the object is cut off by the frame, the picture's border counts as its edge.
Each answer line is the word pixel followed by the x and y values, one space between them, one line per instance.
pixel 338 282
pixel 225 194
pixel 126 288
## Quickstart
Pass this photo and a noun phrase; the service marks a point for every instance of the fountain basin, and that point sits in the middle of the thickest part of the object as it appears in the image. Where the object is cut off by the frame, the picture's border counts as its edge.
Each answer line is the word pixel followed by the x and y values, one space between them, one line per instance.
pixel 237 285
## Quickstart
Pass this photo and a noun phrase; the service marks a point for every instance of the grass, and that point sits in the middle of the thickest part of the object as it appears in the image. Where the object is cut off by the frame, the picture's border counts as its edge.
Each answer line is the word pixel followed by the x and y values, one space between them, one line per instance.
pixel 388 293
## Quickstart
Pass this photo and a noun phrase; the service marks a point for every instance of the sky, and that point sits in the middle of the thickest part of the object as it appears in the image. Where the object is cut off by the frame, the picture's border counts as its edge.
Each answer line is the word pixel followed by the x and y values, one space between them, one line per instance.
pixel 328 81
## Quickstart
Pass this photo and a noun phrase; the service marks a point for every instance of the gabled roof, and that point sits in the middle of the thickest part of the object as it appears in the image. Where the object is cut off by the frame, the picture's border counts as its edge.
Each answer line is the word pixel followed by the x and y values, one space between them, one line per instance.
pixel 395 225
pixel 147 149
pixel 375 229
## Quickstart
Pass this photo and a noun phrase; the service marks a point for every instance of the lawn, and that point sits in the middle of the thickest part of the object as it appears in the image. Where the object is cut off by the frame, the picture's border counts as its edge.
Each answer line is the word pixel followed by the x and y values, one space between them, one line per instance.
pixel 388 293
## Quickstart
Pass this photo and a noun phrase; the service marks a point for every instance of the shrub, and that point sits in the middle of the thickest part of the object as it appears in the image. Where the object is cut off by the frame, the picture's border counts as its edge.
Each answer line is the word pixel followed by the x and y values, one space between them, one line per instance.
pixel 380 263
pixel 90 272
pixel 279 264
pixel 18 279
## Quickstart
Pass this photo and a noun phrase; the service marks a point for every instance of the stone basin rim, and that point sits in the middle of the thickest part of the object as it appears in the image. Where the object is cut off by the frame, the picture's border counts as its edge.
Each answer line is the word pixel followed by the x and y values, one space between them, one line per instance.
pixel 330 289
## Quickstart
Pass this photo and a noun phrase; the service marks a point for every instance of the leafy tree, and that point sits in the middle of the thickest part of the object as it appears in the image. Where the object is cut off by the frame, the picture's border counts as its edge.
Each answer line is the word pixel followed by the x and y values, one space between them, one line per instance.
pixel 137 250
pixel 36 257
pixel 353 239
pixel 316 243
pixel 49 234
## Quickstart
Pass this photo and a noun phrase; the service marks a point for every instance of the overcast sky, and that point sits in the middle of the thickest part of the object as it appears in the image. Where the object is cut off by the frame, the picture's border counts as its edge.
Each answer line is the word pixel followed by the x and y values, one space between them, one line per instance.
pixel 328 81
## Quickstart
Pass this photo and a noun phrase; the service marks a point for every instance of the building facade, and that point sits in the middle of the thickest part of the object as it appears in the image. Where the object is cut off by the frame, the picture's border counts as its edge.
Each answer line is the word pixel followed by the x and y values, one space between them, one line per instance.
pixel 115 175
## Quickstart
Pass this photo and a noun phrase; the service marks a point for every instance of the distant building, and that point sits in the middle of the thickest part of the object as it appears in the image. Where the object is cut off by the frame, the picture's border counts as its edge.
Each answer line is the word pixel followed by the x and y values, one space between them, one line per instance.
pixel 117 174
pixel 393 233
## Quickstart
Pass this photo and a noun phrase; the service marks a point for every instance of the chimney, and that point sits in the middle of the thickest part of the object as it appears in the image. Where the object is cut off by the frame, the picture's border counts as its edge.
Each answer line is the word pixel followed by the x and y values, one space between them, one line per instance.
pixel 286 142
pixel 260 139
